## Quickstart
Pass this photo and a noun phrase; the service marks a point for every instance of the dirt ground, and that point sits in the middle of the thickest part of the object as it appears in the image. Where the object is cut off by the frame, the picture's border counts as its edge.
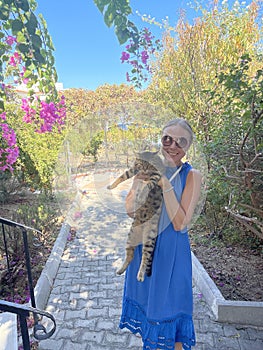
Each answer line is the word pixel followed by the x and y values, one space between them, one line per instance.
pixel 237 271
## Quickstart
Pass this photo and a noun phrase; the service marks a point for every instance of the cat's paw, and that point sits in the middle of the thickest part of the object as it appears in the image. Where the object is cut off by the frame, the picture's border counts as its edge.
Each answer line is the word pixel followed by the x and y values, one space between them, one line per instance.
pixel 140 276
pixel 110 187
pixel 120 271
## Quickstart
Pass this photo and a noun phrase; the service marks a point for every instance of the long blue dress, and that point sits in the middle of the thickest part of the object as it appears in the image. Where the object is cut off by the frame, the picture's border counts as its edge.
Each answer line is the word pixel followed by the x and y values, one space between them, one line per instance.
pixel 160 308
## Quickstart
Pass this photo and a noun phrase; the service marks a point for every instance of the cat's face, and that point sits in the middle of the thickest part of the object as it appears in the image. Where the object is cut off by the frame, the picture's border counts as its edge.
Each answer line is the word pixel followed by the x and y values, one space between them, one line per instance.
pixel 148 162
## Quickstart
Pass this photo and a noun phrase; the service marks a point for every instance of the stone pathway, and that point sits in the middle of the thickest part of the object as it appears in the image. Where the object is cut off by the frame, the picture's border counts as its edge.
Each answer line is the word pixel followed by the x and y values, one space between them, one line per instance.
pixel 87 293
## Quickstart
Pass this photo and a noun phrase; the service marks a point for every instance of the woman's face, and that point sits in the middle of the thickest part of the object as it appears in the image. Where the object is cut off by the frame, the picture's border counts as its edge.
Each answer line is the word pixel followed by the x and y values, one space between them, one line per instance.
pixel 180 143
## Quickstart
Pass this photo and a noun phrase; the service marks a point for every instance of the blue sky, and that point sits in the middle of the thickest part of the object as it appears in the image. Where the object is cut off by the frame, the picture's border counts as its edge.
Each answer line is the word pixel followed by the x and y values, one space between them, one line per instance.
pixel 87 51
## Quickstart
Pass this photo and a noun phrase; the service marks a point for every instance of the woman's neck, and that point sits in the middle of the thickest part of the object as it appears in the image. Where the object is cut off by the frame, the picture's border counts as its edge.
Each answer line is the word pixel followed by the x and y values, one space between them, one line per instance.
pixel 172 164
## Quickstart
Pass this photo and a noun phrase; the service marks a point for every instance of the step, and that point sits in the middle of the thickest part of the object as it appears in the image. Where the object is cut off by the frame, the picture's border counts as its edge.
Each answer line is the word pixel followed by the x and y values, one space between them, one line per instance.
pixel 8 331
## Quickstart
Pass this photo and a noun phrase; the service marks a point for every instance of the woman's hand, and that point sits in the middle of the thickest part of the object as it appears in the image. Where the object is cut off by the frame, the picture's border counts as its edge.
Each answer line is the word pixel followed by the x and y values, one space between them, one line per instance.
pixel 167 157
pixel 164 183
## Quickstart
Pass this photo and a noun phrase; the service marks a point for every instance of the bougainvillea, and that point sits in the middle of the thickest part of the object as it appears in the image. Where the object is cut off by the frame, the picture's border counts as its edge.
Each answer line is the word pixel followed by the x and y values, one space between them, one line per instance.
pixel 26 58
pixel 138 52
pixel 9 151
pixel 45 115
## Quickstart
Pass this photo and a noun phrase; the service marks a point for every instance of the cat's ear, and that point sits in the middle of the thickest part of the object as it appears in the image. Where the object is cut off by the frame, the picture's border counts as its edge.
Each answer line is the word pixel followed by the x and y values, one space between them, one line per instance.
pixel 161 156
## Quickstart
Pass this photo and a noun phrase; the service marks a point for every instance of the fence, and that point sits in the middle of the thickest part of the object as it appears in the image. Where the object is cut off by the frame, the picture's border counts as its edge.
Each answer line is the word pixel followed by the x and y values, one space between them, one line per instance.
pixel 13 235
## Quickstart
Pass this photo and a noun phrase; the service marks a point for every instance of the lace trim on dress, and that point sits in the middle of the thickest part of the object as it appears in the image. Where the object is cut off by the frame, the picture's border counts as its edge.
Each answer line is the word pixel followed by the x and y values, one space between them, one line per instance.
pixel 158 334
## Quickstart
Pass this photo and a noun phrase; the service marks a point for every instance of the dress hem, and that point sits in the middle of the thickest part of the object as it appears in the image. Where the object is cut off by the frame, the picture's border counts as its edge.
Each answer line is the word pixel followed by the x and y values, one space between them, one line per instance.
pixel 155 334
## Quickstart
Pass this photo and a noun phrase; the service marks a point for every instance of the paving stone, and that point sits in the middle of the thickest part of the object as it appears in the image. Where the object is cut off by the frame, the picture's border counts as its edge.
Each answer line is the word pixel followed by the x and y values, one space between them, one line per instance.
pixel 231 331
pixel 114 338
pixel 67 333
pixel 205 338
pixel 135 341
pixel 227 343
pixel 105 325
pixel 71 314
pixel 251 344
pixel 210 327
pixel 254 333
pixel 51 344
pixel 99 312
pixel 92 336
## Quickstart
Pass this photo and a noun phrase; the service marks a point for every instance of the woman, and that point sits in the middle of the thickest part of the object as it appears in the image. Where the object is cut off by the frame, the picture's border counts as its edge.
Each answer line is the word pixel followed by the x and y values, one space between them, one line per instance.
pixel 160 308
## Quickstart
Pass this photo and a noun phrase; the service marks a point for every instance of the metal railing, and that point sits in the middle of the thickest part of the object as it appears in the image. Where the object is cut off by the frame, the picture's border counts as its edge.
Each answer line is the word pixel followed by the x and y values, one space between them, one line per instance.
pixel 23 311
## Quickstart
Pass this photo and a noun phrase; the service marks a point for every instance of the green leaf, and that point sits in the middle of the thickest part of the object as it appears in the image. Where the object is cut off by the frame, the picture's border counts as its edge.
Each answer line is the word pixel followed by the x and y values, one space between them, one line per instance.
pixel 5 58
pixel 39 58
pixel 36 41
pixel 17 25
pixel 23 4
pixel 124 7
pixel 122 34
pixel 28 62
pixel 32 24
pixel 27 73
pixel 120 21
pixel 23 48
pixel 20 38
pixel 101 4
pixel 110 15
pixel 2 106
pixel 4 14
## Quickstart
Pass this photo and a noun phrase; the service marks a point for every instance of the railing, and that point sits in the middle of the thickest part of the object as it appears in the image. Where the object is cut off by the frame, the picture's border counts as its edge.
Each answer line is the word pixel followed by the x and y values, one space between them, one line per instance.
pixel 23 311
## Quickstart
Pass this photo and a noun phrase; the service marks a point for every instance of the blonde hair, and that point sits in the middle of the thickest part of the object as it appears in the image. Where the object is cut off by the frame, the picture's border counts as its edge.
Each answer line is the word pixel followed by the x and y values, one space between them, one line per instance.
pixel 184 124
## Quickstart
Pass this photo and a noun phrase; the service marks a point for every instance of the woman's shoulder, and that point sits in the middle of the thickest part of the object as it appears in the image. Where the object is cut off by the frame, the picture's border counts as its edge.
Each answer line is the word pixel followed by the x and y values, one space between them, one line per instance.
pixel 189 167
pixel 192 172
pixel 194 176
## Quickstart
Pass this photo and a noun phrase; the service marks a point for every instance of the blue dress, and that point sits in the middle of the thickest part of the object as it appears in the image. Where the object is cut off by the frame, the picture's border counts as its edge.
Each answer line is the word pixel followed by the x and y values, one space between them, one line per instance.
pixel 160 308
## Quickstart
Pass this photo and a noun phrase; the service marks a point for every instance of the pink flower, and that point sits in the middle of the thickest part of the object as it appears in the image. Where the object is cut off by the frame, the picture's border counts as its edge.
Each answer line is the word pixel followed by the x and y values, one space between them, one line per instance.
pixel 147 35
pixel 46 115
pixel 15 59
pixel 3 116
pixel 77 215
pixel 144 57
pixel 124 56
pixel 10 40
pixel 12 61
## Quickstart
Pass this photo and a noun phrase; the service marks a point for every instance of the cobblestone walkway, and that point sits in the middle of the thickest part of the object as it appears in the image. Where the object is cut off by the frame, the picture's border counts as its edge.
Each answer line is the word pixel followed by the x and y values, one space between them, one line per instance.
pixel 87 293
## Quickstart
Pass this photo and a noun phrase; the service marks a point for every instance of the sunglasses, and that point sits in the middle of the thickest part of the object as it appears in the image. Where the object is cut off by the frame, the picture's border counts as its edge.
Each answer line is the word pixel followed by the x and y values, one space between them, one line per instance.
pixel 180 142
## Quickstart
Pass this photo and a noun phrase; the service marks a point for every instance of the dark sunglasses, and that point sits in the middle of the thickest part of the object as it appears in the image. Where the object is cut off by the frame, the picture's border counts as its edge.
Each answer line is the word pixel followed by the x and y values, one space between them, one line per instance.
pixel 180 142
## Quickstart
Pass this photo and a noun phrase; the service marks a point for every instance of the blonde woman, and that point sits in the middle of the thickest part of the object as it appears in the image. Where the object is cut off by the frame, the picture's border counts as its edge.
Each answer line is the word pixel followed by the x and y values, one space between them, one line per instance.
pixel 160 308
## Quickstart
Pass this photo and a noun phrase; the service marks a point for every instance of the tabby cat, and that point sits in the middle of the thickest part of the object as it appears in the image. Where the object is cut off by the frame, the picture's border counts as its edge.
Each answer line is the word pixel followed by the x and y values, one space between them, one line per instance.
pixel 148 200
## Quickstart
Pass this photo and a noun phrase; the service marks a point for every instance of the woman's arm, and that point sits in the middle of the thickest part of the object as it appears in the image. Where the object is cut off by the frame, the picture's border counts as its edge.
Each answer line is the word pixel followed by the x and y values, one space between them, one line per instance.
pixel 181 213
pixel 130 199
pixel 129 203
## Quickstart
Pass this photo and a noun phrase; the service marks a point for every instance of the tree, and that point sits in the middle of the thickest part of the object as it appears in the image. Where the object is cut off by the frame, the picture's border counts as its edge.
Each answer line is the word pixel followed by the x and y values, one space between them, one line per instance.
pixel 242 127
pixel 192 59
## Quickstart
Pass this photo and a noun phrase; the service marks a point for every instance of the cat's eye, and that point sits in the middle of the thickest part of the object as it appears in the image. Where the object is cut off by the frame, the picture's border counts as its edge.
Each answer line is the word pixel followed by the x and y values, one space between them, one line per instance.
pixel 168 140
